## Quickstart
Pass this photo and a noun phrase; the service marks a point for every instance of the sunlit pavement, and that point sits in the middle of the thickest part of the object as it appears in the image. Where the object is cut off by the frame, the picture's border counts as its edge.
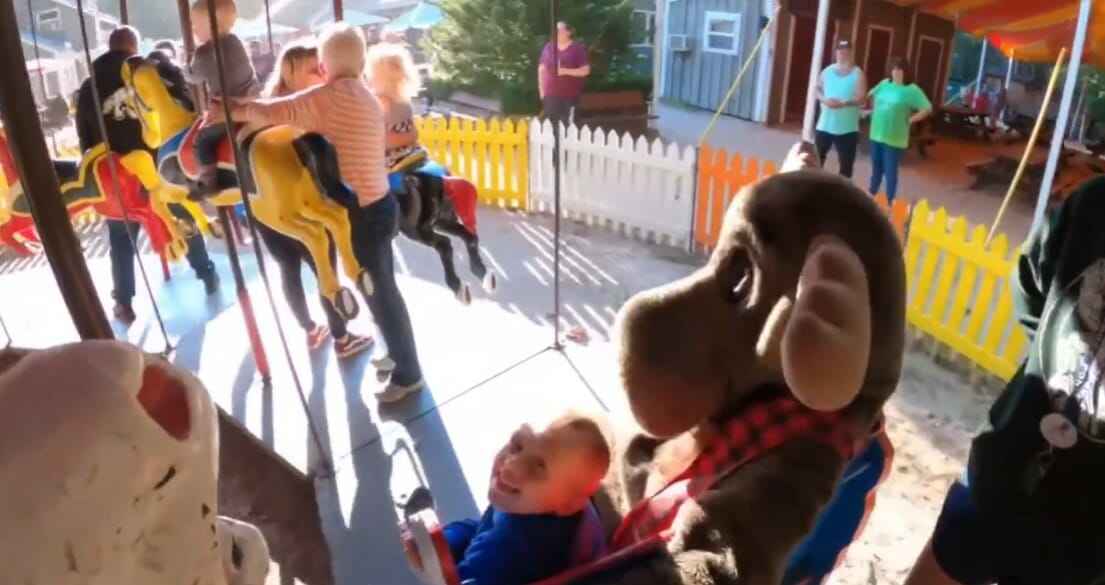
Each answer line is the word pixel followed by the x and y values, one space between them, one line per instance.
pixel 485 366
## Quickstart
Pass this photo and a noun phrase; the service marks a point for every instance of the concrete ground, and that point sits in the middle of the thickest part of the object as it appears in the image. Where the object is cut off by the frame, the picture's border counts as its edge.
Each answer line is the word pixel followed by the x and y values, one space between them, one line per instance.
pixel 487 369
pixel 941 178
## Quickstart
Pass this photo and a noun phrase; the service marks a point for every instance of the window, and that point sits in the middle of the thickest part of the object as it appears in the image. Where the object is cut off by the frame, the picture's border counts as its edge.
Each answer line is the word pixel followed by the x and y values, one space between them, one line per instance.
pixel 48 20
pixel 642 28
pixel 723 33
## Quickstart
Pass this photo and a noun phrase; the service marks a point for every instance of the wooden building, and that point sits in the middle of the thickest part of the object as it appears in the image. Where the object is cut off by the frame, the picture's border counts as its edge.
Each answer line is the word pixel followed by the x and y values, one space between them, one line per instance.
pixel 709 40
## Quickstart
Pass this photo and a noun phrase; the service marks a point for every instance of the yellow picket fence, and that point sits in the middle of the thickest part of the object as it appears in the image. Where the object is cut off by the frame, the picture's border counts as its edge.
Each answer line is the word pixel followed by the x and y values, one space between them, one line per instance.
pixel 493 154
pixel 959 290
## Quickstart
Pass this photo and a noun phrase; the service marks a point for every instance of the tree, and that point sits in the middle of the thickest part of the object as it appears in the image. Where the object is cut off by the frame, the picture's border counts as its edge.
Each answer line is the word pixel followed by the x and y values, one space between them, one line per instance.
pixel 492 45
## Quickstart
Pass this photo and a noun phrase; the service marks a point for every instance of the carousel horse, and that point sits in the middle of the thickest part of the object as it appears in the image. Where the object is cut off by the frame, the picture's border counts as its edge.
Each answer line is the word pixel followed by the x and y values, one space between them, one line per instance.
pixel 293 180
pixel 86 185
pixel 433 206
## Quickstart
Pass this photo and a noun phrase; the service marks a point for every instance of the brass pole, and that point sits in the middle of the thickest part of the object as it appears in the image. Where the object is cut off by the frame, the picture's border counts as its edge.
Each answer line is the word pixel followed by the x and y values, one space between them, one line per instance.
pixel 40 186
pixel 185 11
pixel 339 11
pixel 124 14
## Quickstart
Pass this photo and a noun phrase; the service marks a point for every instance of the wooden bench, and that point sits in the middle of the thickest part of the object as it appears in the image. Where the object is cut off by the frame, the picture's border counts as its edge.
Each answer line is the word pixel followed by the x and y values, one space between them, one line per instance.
pixel 622 111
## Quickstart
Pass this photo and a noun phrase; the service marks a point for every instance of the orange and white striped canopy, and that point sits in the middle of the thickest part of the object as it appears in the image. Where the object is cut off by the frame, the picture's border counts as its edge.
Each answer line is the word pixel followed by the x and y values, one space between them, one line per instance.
pixel 1034 30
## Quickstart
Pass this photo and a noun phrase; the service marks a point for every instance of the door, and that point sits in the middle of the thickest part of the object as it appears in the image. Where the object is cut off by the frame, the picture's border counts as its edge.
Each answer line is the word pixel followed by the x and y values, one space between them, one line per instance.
pixel 801 53
pixel 877 59
pixel 929 62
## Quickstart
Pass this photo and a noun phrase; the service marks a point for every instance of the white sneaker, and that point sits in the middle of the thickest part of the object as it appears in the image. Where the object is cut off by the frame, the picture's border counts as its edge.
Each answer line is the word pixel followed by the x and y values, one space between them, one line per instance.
pixel 394 392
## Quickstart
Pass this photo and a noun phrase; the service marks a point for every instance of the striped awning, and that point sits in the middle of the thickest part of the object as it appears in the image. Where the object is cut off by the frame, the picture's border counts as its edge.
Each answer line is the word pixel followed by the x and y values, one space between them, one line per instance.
pixel 1034 29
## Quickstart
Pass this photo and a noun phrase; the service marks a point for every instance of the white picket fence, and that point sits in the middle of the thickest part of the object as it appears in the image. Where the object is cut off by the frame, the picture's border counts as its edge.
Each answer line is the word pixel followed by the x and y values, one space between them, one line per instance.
pixel 640 188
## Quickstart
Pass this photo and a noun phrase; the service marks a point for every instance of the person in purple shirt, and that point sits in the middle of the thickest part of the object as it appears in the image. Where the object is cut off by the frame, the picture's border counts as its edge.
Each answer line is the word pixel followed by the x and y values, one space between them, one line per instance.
pixel 561 84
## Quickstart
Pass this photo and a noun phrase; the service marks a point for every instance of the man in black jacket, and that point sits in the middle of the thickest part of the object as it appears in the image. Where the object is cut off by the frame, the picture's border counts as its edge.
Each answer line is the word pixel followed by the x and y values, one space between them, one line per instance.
pixel 124 131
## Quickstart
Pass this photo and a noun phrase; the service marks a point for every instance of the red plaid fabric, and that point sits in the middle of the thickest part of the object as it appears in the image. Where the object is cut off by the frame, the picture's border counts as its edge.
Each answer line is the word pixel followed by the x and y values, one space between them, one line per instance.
pixel 760 428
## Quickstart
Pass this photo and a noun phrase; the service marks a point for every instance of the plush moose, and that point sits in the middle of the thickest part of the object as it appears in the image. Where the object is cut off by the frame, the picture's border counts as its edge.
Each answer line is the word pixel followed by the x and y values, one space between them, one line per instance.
pixel 108 471
pixel 753 381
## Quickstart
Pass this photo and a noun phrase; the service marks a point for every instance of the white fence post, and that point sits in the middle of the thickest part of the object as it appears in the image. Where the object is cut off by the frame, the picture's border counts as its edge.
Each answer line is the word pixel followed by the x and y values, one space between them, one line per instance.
pixel 643 189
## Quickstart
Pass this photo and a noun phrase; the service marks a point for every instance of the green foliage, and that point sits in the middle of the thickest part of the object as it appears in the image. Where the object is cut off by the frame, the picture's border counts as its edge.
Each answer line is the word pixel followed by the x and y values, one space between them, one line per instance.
pixel 492 47
pixel 1095 93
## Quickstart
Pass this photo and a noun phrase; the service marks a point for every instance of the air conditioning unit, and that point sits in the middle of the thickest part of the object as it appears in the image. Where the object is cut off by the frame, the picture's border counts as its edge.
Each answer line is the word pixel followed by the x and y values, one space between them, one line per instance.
pixel 679 43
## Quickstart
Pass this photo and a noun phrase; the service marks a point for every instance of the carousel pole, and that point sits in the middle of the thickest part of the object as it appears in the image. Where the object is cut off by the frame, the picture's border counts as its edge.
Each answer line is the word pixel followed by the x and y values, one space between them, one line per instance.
pixel 1069 87
pixel 816 62
pixel 259 356
pixel 40 184
pixel 124 14
pixel 558 167
pixel 339 11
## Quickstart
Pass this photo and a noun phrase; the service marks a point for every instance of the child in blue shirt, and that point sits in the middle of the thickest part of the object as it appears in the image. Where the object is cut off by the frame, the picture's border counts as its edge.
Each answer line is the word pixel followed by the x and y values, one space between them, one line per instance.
pixel 542 481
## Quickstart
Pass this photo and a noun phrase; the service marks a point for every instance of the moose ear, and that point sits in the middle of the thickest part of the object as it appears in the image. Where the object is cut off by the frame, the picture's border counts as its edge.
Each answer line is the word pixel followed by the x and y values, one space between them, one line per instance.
pixel 827 342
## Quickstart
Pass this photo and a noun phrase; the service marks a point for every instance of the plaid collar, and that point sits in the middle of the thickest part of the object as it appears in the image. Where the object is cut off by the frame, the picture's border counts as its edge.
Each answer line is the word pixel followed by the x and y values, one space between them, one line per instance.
pixel 758 428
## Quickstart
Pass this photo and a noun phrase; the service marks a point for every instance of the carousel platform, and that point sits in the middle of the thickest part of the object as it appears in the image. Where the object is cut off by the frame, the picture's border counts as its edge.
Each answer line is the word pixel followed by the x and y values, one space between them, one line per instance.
pixel 487 368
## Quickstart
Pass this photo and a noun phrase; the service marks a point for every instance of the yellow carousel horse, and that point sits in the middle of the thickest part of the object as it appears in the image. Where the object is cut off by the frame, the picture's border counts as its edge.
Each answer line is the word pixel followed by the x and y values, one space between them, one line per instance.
pixel 294 185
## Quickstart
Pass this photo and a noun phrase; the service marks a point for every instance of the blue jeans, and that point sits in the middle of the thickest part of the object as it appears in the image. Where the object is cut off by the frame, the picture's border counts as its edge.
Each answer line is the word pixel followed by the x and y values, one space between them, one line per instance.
pixel 122 254
pixel 374 227
pixel 884 161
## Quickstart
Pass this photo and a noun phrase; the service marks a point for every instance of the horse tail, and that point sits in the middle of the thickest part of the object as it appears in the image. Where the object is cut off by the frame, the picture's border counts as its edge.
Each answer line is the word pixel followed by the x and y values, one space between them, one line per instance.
pixel 464 197
pixel 318 156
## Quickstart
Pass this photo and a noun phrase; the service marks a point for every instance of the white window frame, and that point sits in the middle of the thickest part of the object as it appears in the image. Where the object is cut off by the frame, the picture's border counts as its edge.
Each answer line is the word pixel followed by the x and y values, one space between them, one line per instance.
pixel 650 27
pixel 48 19
pixel 713 16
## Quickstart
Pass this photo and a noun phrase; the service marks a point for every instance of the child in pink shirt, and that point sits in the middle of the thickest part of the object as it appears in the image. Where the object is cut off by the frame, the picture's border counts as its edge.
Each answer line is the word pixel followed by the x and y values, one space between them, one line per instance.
pixel 345 111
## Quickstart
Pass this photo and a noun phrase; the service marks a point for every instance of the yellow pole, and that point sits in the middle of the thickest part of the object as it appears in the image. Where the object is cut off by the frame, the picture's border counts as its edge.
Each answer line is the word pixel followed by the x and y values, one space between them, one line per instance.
pixel 1031 143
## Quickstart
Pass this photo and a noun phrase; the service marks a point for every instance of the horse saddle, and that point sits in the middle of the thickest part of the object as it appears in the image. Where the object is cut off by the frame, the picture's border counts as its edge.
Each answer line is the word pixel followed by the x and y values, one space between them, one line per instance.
pixel 415 163
pixel 187 152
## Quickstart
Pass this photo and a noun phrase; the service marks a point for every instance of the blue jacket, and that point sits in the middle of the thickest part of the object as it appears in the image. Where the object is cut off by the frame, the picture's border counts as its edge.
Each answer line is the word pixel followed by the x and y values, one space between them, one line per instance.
pixel 512 549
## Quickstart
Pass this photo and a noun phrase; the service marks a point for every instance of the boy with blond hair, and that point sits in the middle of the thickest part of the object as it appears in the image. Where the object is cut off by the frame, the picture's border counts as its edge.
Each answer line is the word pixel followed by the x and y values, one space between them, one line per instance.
pixel 241 80
pixel 345 111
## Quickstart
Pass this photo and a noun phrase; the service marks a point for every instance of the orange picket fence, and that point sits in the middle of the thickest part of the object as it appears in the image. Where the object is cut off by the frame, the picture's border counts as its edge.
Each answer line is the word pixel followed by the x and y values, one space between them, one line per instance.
pixel 721 176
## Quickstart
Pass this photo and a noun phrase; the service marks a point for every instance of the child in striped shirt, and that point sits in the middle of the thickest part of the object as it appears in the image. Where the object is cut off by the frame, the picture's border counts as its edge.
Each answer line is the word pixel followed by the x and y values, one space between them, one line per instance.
pixel 345 111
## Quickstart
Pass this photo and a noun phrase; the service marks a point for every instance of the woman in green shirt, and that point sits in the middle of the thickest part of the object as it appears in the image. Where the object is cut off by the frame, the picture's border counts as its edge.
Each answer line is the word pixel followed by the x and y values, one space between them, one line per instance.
pixel 898 104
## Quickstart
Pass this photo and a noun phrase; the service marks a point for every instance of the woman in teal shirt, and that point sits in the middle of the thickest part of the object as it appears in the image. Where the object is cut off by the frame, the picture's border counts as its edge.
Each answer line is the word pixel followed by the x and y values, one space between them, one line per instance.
pixel 898 104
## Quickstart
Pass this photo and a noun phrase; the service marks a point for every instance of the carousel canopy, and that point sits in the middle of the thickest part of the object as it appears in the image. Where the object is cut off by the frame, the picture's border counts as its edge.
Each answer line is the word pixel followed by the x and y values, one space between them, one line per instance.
pixel 423 16
pixel 1032 30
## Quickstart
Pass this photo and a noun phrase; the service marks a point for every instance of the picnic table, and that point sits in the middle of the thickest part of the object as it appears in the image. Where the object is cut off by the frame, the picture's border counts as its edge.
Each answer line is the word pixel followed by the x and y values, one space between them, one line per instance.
pixel 962 121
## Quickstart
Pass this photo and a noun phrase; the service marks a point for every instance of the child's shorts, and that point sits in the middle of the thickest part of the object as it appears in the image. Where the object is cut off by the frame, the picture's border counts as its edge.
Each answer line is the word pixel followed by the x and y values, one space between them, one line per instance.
pixel 843 519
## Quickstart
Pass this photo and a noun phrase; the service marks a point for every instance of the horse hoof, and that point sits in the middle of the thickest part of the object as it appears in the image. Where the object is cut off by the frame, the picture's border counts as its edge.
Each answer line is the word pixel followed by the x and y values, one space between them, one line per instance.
pixel 464 295
pixel 490 283
pixel 364 282
pixel 346 304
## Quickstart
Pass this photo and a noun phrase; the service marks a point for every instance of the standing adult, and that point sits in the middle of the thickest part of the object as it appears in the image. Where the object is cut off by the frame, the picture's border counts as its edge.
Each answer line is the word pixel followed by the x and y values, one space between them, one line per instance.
pixel 841 89
pixel 560 83
pixel 124 131
pixel 898 104
pixel 263 63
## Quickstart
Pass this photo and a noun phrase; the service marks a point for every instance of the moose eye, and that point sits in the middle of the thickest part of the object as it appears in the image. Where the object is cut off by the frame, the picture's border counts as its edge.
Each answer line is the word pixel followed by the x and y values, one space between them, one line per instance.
pixel 738 277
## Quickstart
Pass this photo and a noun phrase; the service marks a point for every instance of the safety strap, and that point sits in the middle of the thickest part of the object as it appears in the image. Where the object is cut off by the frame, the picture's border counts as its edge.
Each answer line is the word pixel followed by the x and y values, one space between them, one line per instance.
pixel 758 429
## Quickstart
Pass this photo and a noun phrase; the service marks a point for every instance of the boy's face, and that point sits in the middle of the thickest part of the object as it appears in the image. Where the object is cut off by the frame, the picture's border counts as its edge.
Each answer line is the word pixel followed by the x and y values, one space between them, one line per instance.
pixel 543 472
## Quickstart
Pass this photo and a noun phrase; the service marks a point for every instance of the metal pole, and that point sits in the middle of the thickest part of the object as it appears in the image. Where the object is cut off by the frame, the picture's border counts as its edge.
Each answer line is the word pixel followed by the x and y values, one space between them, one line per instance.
pixel 1072 130
pixel 1009 70
pixel 558 167
pixel 816 63
pixel 981 68
pixel 658 56
pixel 268 28
pixel 124 14
pixel 184 11
pixel 1084 9
pixel 339 11
pixel 41 187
